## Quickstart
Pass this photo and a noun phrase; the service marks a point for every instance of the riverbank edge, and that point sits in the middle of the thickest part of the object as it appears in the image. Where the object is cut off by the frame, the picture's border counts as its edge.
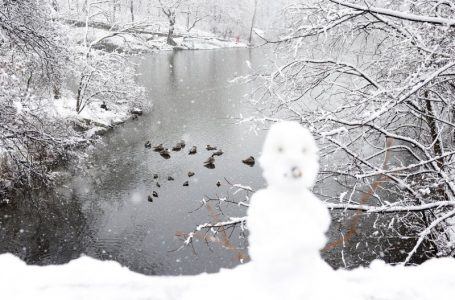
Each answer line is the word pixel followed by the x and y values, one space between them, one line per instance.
pixel 143 42
pixel 96 119
pixel 86 130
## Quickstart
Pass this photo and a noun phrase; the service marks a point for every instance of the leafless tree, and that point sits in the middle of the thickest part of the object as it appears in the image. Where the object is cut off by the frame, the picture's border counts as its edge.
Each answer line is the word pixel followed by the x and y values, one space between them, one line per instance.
pixel 170 8
pixel 31 60
pixel 104 74
pixel 371 78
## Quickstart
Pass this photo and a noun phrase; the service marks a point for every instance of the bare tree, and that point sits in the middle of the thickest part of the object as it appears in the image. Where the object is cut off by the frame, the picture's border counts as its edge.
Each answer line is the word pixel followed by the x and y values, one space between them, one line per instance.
pixel 195 13
pixel 170 8
pixel 31 60
pixel 370 80
pixel 104 74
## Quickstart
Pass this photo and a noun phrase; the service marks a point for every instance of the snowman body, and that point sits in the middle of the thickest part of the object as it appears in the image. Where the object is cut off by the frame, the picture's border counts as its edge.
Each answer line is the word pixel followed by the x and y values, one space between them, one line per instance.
pixel 289 234
pixel 287 222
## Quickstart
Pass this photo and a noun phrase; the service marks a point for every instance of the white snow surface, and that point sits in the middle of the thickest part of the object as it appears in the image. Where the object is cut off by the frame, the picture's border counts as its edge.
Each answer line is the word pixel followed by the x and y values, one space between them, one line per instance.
pixel 197 40
pixel 287 226
pixel 100 119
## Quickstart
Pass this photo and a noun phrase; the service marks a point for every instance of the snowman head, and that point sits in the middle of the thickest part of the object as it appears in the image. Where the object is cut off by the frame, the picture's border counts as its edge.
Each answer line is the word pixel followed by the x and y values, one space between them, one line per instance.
pixel 289 157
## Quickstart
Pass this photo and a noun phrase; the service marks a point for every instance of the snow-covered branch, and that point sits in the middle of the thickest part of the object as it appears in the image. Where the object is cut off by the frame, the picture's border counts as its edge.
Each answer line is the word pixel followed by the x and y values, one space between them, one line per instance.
pixel 427 231
pixel 391 208
pixel 362 76
pixel 398 14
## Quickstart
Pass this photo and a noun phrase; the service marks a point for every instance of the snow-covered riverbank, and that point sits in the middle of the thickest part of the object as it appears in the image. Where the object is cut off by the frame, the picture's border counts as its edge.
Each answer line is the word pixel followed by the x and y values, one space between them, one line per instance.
pixel 97 117
pixel 141 41
pixel 101 110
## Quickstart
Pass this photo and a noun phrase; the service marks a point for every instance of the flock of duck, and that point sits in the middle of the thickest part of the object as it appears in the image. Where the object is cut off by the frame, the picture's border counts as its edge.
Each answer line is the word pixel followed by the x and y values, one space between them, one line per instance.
pixel 209 163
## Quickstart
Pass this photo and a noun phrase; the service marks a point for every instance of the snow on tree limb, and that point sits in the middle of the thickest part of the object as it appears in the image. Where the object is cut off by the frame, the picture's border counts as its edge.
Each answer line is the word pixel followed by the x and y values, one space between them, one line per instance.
pixel 398 14
pixel 391 208
pixel 427 231
pixel 359 76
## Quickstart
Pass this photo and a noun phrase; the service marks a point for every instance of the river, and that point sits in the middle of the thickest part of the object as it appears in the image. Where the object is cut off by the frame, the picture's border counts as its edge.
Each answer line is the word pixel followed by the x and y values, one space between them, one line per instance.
pixel 104 211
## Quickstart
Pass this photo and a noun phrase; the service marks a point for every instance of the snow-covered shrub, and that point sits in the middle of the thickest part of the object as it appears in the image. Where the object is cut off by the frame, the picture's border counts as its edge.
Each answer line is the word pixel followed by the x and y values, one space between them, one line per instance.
pixel 31 64
pixel 30 139
pixel 102 75
pixel 31 45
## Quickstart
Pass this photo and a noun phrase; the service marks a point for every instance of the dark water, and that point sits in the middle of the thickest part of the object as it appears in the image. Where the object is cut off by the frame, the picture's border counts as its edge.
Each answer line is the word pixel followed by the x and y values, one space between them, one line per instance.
pixel 104 211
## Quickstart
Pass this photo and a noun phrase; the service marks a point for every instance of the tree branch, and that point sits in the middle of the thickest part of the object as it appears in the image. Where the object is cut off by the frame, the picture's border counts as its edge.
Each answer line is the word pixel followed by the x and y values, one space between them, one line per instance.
pixel 398 14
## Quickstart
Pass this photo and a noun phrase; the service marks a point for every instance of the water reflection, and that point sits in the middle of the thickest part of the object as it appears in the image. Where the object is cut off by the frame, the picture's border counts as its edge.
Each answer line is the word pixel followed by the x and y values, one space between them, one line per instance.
pixel 43 231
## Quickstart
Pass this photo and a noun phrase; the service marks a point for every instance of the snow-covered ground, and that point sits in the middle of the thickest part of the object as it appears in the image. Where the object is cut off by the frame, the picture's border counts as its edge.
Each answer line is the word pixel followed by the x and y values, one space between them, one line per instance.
pixel 96 119
pixel 87 278
pixel 207 43
pixel 139 43
pixel 287 226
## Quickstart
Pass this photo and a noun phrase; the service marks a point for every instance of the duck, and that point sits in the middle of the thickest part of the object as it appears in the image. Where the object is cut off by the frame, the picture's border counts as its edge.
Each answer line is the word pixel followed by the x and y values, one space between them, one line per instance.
pixel 210 148
pixel 186 183
pixel 170 178
pixel 155 176
pixel 177 148
pixel 218 184
pixel 155 194
pixel 249 161
pixel 150 198
pixel 158 148
pixel 158 184
pixel 191 174
pixel 218 153
pixel 209 161
pixel 104 106
pixel 165 154
pixel 193 150
pixel 148 145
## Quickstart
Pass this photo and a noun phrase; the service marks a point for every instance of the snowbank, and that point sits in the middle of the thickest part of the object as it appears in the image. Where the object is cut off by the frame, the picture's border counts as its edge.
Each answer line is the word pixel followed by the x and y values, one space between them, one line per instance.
pixel 94 118
pixel 87 278
pixel 287 225
pixel 140 43
pixel 207 43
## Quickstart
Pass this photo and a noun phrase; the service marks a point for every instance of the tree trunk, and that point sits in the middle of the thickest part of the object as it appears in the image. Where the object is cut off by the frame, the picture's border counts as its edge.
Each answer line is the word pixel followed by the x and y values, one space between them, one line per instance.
pixel 253 20
pixel 114 8
pixel 132 10
pixel 55 5
pixel 79 94
pixel 188 20
pixel 170 34
pixel 56 89
pixel 434 132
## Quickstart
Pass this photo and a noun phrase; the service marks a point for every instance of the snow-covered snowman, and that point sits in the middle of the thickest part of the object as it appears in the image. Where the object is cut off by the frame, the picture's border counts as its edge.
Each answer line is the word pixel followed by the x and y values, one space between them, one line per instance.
pixel 287 223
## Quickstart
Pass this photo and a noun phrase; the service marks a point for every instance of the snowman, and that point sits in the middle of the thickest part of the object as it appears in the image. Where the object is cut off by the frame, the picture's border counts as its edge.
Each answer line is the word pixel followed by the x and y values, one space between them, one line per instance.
pixel 287 223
